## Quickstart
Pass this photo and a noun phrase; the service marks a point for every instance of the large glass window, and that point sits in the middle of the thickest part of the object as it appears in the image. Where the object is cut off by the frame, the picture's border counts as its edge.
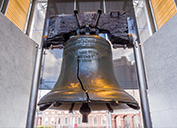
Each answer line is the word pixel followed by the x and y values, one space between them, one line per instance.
pixel 37 25
pixel 142 19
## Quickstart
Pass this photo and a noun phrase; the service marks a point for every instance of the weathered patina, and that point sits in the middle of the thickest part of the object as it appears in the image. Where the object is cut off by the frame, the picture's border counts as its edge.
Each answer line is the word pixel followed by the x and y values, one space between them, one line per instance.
pixel 62 27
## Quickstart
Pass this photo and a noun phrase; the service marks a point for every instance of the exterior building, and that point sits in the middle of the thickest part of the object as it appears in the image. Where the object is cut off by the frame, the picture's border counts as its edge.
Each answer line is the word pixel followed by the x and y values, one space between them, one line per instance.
pixel 125 73
pixel 97 119
pixel 155 18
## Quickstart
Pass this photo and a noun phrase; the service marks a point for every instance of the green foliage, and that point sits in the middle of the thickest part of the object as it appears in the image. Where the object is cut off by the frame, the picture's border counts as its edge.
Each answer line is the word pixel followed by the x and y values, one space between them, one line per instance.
pixel 44 127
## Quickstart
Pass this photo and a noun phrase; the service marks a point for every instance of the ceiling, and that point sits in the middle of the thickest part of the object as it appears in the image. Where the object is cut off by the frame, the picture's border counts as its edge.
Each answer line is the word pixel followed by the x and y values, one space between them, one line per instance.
pixel 57 7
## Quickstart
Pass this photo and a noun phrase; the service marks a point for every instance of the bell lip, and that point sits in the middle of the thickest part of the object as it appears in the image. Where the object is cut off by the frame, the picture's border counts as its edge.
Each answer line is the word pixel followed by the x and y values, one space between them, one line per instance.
pixel 85 101
pixel 129 104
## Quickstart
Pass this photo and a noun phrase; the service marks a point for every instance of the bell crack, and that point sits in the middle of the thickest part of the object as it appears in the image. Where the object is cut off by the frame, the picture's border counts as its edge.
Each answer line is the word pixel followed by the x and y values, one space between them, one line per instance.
pixel 82 86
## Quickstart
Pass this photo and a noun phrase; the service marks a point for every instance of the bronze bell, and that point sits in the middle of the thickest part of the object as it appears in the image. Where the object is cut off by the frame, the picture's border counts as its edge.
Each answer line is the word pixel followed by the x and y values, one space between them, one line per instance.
pixel 87 81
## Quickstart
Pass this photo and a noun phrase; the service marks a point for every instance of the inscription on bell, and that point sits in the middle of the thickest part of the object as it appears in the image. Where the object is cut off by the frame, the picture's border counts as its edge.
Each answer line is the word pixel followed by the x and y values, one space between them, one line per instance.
pixel 87 55
pixel 85 40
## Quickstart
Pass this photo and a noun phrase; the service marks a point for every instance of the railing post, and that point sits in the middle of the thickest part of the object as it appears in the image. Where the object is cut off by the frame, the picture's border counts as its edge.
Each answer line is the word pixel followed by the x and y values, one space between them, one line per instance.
pixel 142 85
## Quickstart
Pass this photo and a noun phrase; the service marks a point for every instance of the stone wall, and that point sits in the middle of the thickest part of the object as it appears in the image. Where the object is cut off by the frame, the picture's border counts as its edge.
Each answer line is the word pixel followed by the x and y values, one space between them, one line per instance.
pixel 160 55
pixel 17 59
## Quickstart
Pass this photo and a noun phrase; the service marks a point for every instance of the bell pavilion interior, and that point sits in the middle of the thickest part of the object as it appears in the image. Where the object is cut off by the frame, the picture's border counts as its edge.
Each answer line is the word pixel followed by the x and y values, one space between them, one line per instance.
pixel 88 63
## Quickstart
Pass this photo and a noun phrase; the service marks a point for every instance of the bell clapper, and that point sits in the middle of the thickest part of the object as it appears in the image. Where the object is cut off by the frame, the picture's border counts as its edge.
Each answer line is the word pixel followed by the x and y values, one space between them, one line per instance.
pixel 85 111
pixel 109 107
pixel 71 109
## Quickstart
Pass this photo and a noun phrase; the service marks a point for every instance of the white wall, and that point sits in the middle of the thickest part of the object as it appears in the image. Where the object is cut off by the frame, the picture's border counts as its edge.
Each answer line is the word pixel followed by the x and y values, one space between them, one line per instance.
pixel 160 55
pixel 17 59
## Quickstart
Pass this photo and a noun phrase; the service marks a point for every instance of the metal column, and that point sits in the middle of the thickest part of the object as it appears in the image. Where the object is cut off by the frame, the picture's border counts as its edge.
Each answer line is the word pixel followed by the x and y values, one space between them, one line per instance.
pixel 1 4
pixel 34 89
pixel 109 120
pixel 142 85
pixel 71 120
pixel 151 15
pixel 36 78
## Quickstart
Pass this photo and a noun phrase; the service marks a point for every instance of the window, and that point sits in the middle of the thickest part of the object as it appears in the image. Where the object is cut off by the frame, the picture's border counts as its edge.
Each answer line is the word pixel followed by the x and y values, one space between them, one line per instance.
pixel 73 121
pixel 46 113
pixel 118 122
pixel 79 120
pixel 66 120
pixel 95 120
pixel 52 112
pixel 66 112
pixel 52 121
pixel 136 121
pixel 59 120
pixel 103 119
pixel 127 122
pixel 39 113
pixel 46 120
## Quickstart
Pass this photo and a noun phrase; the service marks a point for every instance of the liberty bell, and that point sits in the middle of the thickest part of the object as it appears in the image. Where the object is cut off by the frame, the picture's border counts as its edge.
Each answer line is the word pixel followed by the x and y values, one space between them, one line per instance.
pixel 87 81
